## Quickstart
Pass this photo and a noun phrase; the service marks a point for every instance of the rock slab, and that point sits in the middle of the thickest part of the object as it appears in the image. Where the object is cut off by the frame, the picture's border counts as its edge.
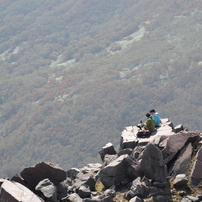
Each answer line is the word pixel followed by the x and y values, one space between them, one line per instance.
pixel 16 192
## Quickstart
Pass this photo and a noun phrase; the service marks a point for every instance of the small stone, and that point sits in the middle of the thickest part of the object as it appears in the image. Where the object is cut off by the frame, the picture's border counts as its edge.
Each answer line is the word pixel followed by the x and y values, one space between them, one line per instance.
pixel 182 193
pixel 136 199
pixel 180 180
pixel 160 198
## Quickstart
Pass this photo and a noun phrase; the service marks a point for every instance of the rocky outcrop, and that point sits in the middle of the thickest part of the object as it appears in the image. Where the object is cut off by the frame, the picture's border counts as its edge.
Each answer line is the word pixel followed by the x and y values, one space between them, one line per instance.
pixel 144 169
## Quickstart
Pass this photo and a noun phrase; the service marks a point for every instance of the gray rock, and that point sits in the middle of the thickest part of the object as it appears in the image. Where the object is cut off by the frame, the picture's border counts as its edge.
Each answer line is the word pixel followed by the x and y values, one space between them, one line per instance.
pixel 91 200
pixel 61 190
pixel 71 173
pixel 136 199
pixel 154 191
pixel 186 200
pixel 178 128
pixel 136 152
pixel 110 192
pixel 120 169
pixel 91 168
pixel 125 151
pixel 160 184
pixel 199 195
pixel 109 158
pixel 193 198
pixel 181 165
pixel 105 198
pixel 196 171
pixel 174 143
pixel 75 198
pixel 161 198
pixel 107 149
pixel 33 175
pixel 86 179
pixel 114 172
pixel 47 188
pixel 129 138
pixel 152 164
pixel 84 191
pixel 16 192
pixel 180 180
pixel 137 189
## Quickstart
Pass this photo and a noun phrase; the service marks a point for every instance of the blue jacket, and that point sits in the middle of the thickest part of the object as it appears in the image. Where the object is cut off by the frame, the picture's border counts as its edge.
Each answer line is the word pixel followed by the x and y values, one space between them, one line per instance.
pixel 157 119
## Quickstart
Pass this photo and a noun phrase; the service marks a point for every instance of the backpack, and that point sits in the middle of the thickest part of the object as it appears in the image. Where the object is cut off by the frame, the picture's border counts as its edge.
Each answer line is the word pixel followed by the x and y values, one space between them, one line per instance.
pixel 143 134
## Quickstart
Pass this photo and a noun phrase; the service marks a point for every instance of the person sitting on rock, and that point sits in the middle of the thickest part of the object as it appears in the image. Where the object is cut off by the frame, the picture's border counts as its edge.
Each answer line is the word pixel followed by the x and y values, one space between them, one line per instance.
pixel 156 117
pixel 150 123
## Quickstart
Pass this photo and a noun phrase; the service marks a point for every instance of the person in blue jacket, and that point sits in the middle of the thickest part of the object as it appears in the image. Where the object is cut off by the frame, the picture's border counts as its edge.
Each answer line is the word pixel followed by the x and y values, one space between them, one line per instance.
pixel 156 117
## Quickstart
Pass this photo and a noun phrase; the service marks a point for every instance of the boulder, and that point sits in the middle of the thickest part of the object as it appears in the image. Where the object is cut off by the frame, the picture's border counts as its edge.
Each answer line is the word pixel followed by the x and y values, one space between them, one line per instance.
pixel 107 149
pixel 87 179
pixel 33 175
pixel 176 142
pixel 136 152
pixel 152 164
pixel 109 158
pixel 17 178
pixel 84 191
pixel 180 180
pixel 154 191
pixel 118 170
pixel 16 192
pixel 181 165
pixel 71 173
pixel 137 189
pixel 125 151
pixel 129 138
pixel 91 168
pixel 47 188
pixel 104 198
pixel 61 190
pixel 196 172
pixel 136 199
pixel 178 128
pixel 193 198
pixel 110 192
pixel 91 200
pixel 185 199
pixel 161 198
pixel 75 198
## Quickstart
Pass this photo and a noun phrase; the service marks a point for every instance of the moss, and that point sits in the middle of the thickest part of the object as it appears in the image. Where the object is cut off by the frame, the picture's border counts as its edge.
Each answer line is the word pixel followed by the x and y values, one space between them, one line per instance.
pixel 119 198
pixel 99 187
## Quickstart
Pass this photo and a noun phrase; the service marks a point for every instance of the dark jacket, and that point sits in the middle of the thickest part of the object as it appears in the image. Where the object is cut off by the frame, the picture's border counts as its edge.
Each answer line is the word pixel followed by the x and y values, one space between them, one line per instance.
pixel 150 124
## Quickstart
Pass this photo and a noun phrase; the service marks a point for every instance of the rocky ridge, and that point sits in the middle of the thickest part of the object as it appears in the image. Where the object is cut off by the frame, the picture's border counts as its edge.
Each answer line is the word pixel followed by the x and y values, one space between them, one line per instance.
pixel 164 167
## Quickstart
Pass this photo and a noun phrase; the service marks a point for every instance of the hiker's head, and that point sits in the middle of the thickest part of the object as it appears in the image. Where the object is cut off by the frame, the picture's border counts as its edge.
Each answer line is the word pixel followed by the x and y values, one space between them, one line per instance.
pixel 148 115
pixel 152 112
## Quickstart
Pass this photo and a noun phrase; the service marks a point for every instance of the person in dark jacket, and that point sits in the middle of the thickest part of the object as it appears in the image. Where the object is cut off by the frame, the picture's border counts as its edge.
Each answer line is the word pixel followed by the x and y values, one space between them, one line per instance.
pixel 150 123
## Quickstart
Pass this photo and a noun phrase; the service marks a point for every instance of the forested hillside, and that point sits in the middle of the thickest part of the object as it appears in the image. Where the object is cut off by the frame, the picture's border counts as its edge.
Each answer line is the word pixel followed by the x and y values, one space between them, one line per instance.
pixel 74 73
